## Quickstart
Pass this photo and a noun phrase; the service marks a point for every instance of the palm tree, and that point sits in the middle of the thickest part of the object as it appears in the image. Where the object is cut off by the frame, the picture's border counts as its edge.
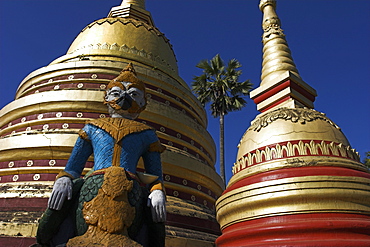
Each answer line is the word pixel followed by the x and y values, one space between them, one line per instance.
pixel 220 86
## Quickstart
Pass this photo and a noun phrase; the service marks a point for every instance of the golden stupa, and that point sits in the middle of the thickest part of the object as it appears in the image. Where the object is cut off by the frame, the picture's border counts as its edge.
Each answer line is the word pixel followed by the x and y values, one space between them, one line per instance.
pixel 38 129
pixel 296 180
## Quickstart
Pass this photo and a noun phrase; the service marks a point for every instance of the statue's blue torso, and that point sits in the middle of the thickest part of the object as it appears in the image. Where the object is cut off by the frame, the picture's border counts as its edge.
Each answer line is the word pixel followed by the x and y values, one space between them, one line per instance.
pixel 101 143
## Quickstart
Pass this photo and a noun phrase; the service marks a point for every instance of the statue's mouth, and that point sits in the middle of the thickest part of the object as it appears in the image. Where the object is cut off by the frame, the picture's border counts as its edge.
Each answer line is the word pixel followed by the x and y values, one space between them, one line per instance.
pixel 125 102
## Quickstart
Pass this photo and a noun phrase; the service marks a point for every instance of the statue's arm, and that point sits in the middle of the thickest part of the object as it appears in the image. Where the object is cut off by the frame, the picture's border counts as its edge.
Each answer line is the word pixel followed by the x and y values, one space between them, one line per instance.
pixel 153 165
pixel 80 153
pixel 62 188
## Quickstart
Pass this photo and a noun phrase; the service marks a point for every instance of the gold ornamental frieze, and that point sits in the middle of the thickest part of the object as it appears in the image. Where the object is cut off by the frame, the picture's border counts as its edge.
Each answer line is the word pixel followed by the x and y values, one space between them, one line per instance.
pixel 295 115
pixel 119 38
pixel 295 149
pixel 123 49
pixel 126 21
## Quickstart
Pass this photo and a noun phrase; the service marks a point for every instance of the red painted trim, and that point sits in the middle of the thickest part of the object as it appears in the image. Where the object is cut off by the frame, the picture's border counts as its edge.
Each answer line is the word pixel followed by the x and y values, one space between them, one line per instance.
pixel 274 90
pixel 77 76
pixel 276 103
pixel 28 177
pixel 32 204
pixel 303 91
pixel 298 172
pixel 281 87
pixel 50 127
pixel 38 163
pixel 48 115
pixel 17 241
pixel 188 183
pixel 165 92
pixel 193 223
pixel 68 86
pixel 327 229
pixel 188 197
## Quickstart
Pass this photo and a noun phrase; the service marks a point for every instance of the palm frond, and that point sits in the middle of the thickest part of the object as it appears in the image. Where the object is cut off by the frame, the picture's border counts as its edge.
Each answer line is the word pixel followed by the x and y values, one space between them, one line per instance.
pixel 219 85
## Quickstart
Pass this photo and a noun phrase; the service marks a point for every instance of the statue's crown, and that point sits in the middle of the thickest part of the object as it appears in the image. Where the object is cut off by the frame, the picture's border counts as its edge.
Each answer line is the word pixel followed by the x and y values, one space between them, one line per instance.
pixel 128 74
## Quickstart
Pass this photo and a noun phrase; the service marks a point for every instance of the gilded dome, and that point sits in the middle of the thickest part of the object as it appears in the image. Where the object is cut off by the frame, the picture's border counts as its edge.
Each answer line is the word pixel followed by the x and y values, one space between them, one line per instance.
pixel 283 157
pixel 114 38
pixel 289 124
pixel 290 133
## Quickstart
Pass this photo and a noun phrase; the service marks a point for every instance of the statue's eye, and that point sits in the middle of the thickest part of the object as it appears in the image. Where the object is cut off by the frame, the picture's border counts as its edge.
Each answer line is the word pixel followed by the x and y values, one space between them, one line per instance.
pixel 134 92
pixel 114 93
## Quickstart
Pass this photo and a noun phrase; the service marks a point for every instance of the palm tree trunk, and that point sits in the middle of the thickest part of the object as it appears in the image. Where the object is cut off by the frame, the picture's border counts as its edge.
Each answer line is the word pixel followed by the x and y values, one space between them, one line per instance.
pixel 222 149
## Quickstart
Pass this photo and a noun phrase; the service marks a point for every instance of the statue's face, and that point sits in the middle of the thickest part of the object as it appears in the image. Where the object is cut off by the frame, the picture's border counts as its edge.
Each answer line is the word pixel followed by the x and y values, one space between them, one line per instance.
pixel 126 101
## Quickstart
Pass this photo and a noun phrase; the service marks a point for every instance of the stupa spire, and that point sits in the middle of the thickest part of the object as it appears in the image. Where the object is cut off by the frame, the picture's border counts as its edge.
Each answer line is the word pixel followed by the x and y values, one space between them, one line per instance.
pixel 281 85
pixel 277 57
pixel 138 3
pixel 132 9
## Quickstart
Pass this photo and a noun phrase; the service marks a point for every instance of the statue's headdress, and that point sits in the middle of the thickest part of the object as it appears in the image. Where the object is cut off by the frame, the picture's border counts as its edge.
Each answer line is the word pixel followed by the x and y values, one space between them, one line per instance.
pixel 128 74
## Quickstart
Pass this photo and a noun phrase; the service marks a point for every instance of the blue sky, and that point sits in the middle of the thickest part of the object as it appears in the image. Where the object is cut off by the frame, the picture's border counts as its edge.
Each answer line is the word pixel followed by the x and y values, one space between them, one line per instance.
pixel 329 41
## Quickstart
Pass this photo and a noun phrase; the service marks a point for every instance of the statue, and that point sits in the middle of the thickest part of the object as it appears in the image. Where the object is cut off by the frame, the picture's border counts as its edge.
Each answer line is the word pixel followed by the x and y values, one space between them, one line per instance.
pixel 110 206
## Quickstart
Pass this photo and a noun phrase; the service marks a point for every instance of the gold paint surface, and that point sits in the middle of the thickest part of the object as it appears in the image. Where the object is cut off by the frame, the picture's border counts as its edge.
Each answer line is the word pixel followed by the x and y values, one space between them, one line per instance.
pixel 14 229
pixel 39 189
pixel 71 100
pixel 36 153
pixel 112 31
pixel 171 118
pixel 31 123
pixel 276 54
pixel 311 194
pixel 188 168
pixel 40 140
pixel 179 206
pixel 185 144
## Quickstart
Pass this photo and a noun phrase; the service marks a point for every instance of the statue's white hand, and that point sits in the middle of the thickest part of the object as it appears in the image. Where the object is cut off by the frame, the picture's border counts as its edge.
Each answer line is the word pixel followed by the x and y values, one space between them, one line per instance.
pixel 157 204
pixel 62 189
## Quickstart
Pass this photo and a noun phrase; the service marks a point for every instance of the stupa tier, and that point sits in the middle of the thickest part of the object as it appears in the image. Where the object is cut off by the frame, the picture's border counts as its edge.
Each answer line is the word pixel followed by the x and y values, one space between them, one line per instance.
pixel 296 180
pixel 39 128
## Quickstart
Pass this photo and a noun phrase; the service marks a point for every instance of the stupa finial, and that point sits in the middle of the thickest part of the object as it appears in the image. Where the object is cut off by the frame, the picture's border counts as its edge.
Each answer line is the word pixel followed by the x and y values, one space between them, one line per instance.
pixel 138 3
pixel 276 53
pixel 281 85
pixel 132 9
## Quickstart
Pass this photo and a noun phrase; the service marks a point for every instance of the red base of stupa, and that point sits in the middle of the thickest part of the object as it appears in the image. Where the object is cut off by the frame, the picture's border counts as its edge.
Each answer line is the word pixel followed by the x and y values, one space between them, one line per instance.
pixel 331 229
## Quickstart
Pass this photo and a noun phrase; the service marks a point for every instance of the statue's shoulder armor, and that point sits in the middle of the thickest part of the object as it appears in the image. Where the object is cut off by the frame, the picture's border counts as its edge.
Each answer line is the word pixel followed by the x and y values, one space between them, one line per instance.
pixel 119 127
